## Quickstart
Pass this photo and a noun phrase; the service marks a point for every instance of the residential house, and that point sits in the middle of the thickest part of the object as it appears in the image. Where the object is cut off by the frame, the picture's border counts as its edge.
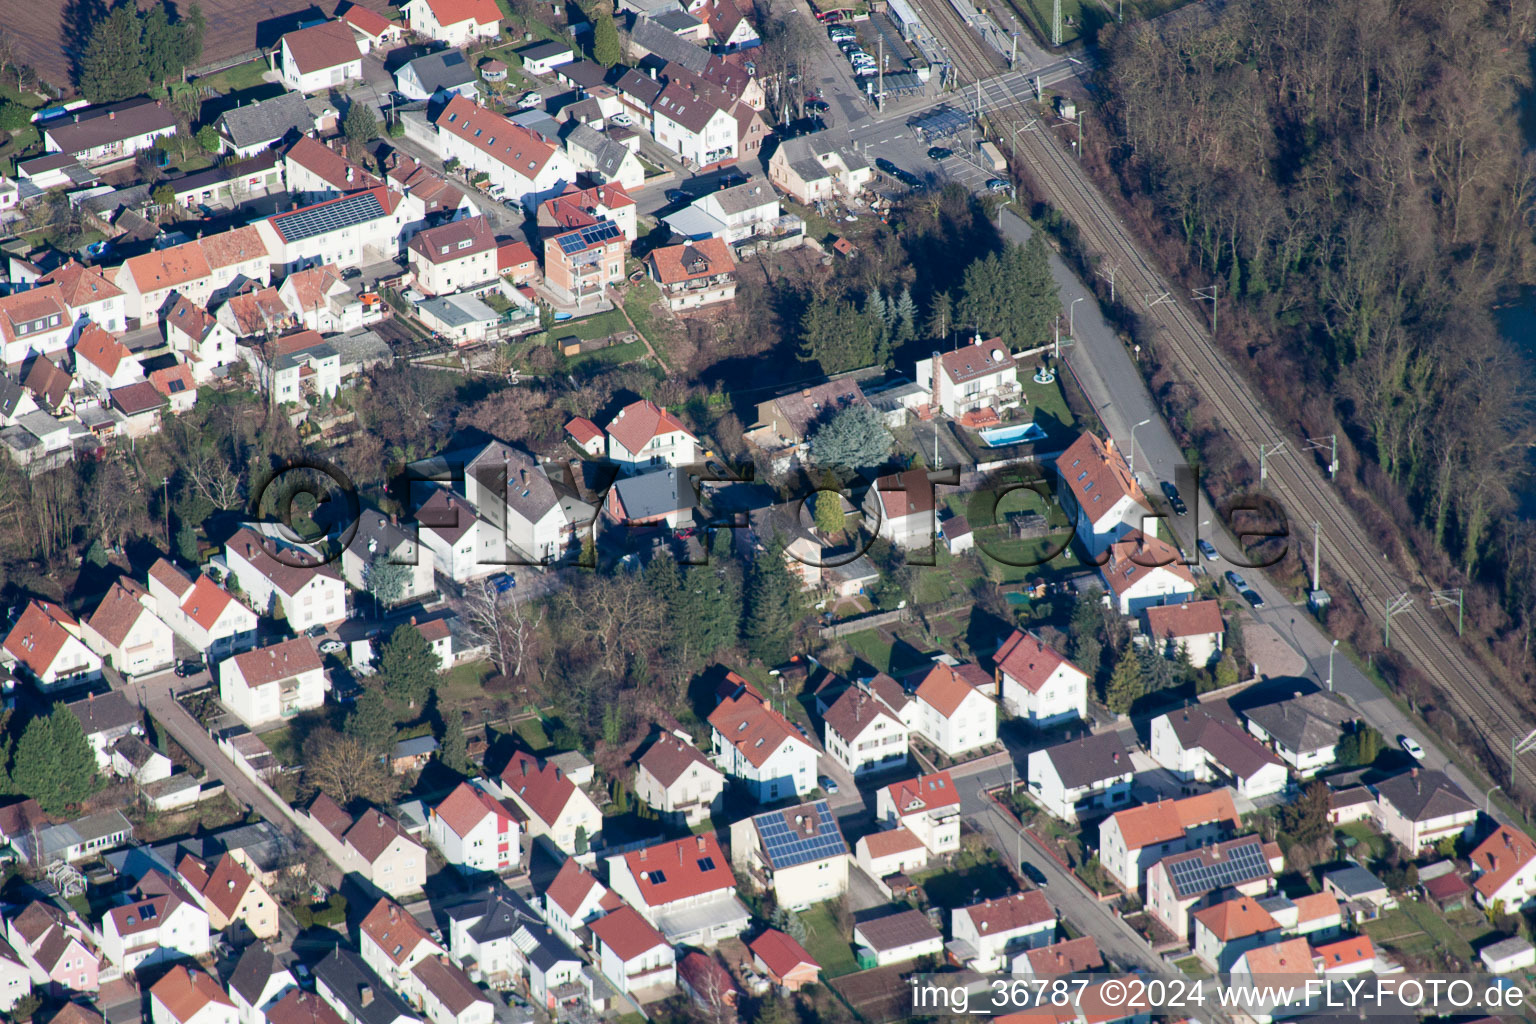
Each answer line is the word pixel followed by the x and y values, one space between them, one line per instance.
pixel 698 127
pixel 1508 956
pixel 447 995
pixel 322 56
pixel 300 1007
pixel 321 301
pixel 204 269
pixel 987 935
pixel 377 537
pixel 784 961
pixel 1359 892
pixel 952 711
pixel 464 320
pixel 1037 682
pixel 1097 490
pixel 637 96
pixel 1193 627
pixel 258 982
pixel 812 168
pixel 501 939
pixel 1276 976
pixel 74 841
pixel 896 938
pixel 314 172
pixel 1304 730
pixel 140 406
pixel 694 274
pixel 649 37
pixel 733 214
pixel 89 296
pixel 356 992
pixel 295 368
pixel 375 845
pixel 105 719
pixel 190 997
pixel 1204 743
pixel 448 528
pixel 522 163
pixel 275 682
pixel 927 806
pixel 1421 807
pixel 892 851
pixel 434 74
pixel 632 954
pixel 1181 883
pixel 272 575
pixel 1505 869
pixel 232 896
pixel 1316 915
pixel 160 923
pixel 49 647
pixel 757 746
pixel 393 943
pixel 15 977
pixel 864 734
pixel 1082 776
pixel 514 497
pixel 981 375
pixel 515 260
pixel 253 128
pixel 254 311
pixel 685 888
pixel 205 344
pixel 35 322
pixel 1227 930
pixel 356 229
pixel 126 633
pixel 799 854
pixel 790 418
pixel 202 613
pixel 556 807
pixel 573 900
pixel 475 831
pixel 603 159
pixel 1132 840
pixel 644 436
pixel 902 504
pixel 1354 955
pixel 1141 571
pixel 677 780
pixel 455 22
pixel 51 389
pixel 454 257
pixel 441 199
pixel 56 949
pixel 581 263
pixel 585 207
pixel 112 133
pixel 1070 956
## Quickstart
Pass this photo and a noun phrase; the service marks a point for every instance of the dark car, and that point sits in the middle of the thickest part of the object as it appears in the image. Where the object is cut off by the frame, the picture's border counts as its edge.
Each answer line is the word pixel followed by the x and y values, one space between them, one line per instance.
pixel 1174 500
pixel 817 106
pixel 731 178
pixel 188 668
pixel 939 153
pixel 905 177
pixel 1237 581
pixel 1253 598
pixel 315 631
pixel 801 126
pixel 677 195
pixel 1033 873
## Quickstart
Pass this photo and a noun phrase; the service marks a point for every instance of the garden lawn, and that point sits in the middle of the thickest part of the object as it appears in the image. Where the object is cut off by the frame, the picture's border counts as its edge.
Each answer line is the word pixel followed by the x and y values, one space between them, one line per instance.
pixel 826 944
pixel 1417 929
pixel 236 79
pixel 611 356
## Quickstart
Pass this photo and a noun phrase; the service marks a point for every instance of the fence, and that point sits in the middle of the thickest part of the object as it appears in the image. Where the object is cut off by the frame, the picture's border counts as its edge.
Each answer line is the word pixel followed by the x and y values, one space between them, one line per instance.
pixel 214 67
pixel 863 622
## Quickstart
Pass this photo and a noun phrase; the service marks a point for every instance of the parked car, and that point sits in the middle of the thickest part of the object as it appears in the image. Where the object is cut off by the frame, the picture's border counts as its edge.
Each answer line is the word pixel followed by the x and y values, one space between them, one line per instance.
pixel 188 668
pixel 828 783
pixel 1411 747
pixel 622 119
pixel 940 153
pixel 332 647
pixel 1175 499
pixel 998 185
pixel 529 101
pixel 677 195
pixel 1253 598
pixel 817 106
pixel 1208 549
pixel 1033 873
pixel 315 631
pixel 1237 581
pixel 503 582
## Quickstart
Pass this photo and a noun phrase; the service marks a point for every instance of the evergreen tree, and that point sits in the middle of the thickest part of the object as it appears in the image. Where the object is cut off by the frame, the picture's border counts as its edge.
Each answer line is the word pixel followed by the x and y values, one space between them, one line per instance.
pixel 774 606
pixel 1156 670
pixel 906 318
pixel 1306 820
pixel 53 761
pixel 208 138
pixel 854 438
pixel 372 722
pixel 96 554
pixel 605 35
pixel 14 117
pixel 982 307
pixel 112 66
pixel 409 666
pixel 830 518
pixel 453 748
pixel 386 580
pixel 1236 650
pixel 581 839
pixel 1125 686
pixel 1040 297
pixel 193 28
pixel 360 124
pixel 186 542
pixel 836 336
pixel 162 45
pixel 940 317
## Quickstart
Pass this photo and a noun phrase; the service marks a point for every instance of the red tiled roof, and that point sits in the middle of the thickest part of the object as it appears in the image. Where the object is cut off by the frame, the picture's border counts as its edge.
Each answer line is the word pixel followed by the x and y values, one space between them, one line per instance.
pixel 570 886
pixel 1500 857
pixel 393 931
pixel 170 577
pixel 1069 957
pixel 675 264
pixel 1317 906
pixel 976 360
pixel 118 611
pixel 1136 555
pixel 580 207
pixel 680 870
pixel 184 993
pixel 39 634
pixel 324 162
pixel 322 46
pixel 80 285
pixel 510 255
pixel 1097 474
pixel 1293 956
pixel 924 793
pixel 1030 662
pixel 281 660
pixel 780 953
pixel 542 786
pixel 1236 919
pixel 944 690
pixel 32 304
pixel 637 423
pixel 905 494
pixel 173 380
pixel 1167 820
pixel 747 722
pixel 891 841
pixel 451 12
pixel 1192 618
pixel 442 244
pixel 136 399
pixel 375 832
pixel 521 149
pixel 467 806
pixel 205 602
pixel 1009 913
pixel 669 757
pixel 583 430
pixel 369 22
pixel 1354 950
pixel 626 933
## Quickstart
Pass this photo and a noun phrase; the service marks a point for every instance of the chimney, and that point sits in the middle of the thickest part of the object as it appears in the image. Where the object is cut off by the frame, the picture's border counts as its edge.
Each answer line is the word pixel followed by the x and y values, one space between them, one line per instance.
pixel 111 115
pixel 701 844
pixel 366 995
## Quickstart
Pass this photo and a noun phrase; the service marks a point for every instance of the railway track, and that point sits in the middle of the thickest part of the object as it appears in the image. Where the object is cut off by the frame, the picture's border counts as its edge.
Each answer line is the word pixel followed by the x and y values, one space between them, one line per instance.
pixel 1300 485
pixel 973 59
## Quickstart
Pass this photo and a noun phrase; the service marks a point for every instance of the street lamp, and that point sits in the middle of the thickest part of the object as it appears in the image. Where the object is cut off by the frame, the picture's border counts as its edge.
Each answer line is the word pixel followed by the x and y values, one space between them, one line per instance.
pixel 1335 647
pixel 1488 799
pixel 1072 318
pixel 165 505
pixel 1133 445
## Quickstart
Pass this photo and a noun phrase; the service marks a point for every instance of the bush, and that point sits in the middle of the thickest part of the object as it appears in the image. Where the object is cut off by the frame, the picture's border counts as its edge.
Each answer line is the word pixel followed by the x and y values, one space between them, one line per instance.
pixel 327 915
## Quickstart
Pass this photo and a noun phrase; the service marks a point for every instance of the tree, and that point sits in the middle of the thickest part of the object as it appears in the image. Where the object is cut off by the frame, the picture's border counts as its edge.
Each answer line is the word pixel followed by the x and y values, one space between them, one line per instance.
pixel 208 138
pixel 1305 822
pixel 163 195
pixel 53 761
pixel 408 665
pixel 581 839
pixel 500 623
pixel 96 554
pixel 345 769
pixel 186 542
pixel 940 317
pixel 386 579
pixel 774 606
pixel 605 35
pixel 1037 299
pixel 360 124
pixel 854 438
pixel 1125 686
pixel 453 748
pixel 112 65
pixel 1360 746
pixel 14 117
pixel 905 329
pixel 372 722
pixel 836 336
pixel 830 518
pixel 161 42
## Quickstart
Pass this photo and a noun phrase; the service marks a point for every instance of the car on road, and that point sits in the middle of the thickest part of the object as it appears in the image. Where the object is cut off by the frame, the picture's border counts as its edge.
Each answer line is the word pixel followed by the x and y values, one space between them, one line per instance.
pixel 905 177
pixel 1411 747
pixel 1175 499
pixel 998 185
pixel 677 195
pixel 801 126
pixel 1208 549
pixel 1237 581
pixel 332 647
pixel 314 632
pixel 622 119
pixel 188 668
pixel 730 179
pixel 1252 597
pixel 503 582
pixel 828 783
pixel 939 153
pixel 529 101
pixel 1033 873
pixel 817 106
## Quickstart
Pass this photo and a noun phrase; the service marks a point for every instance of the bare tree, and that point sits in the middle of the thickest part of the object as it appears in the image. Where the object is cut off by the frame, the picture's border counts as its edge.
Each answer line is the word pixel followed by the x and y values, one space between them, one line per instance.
pixel 213 480
pixel 502 624
pixel 345 768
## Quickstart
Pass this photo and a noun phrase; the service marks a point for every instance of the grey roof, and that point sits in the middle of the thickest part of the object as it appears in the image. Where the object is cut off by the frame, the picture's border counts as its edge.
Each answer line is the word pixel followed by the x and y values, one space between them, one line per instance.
pixel 1424 795
pixel 1512 946
pixel 537 121
pixel 654 494
pixel 100 126
pixel 543 51
pixel 267 121
pixel 675 20
pixel 92 827
pixel 529 492
pixel 106 712
pixel 583 73
pixel 446 69
pixel 319 350
pixel 808 149
pixel 459 310
pixel 694 224
pixel 1354 881
pixel 663 43
pixel 386 537
pixel 638 85
pixel 605 154
pixel 741 198
pixel 256 967
pixel 11 392
pixel 361 347
pixel 1092 759
pixel 414 747
pixel 262 843
pixel 344 974
pixel 135 751
pixel 1310 721
pixel 503 914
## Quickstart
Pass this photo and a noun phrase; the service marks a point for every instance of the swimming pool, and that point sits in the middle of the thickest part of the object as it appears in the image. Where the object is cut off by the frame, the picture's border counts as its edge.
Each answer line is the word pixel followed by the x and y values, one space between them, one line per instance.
pixel 997 437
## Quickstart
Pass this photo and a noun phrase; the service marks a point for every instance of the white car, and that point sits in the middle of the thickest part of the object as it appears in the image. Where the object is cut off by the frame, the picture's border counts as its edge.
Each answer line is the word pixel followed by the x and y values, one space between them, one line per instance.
pixel 332 646
pixel 530 100
pixel 622 119
pixel 1411 747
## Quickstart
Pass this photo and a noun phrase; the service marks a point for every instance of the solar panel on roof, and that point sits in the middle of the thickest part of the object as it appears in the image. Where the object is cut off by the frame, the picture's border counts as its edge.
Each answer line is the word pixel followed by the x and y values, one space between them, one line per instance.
pixel 328 217
pixel 787 846
pixel 1240 863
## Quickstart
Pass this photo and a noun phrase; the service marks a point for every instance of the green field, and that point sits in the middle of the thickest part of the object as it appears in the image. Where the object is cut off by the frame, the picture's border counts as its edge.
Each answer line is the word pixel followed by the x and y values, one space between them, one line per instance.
pixel 826 944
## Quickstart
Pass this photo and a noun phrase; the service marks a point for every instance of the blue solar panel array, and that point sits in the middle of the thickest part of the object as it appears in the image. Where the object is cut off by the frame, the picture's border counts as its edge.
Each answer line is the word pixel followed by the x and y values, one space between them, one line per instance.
pixel 1237 864
pixel 320 220
pixel 787 845
pixel 588 236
